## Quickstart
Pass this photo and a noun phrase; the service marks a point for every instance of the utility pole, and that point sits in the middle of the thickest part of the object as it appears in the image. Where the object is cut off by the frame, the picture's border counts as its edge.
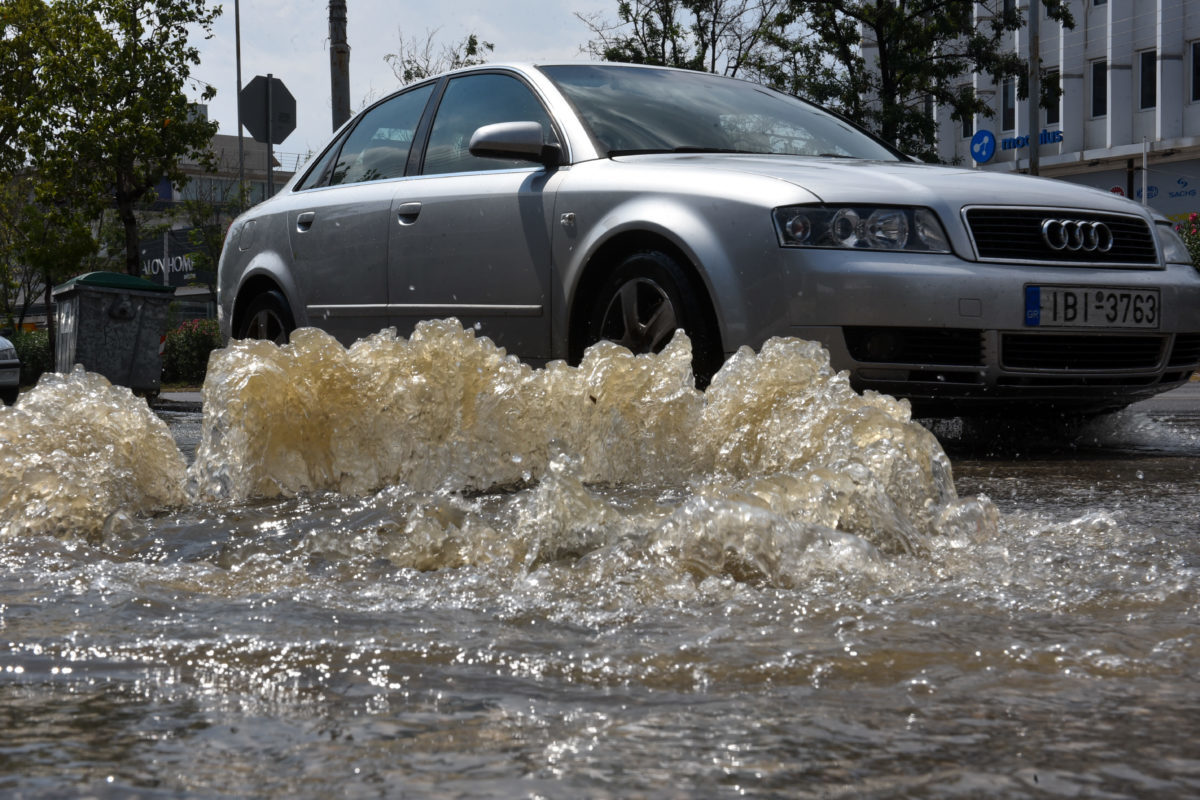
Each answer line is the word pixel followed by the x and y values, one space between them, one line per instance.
pixel 339 63
pixel 1035 86
pixel 270 141
pixel 237 35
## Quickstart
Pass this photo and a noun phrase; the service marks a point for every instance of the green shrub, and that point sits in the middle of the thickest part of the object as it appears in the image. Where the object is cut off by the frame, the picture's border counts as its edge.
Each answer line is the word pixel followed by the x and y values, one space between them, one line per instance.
pixel 33 348
pixel 185 356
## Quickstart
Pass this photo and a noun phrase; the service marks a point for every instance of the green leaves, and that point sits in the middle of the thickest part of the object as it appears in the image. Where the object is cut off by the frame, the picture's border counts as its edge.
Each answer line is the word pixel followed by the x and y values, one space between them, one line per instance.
pixel 94 110
pixel 725 36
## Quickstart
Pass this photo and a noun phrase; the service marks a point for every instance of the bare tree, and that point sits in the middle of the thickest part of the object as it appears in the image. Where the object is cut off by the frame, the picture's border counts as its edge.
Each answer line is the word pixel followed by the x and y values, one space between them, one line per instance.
pixel 417 59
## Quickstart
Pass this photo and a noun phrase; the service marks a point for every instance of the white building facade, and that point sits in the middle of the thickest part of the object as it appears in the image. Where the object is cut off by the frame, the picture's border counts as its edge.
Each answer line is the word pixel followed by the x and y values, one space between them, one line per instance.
pixel 1128 120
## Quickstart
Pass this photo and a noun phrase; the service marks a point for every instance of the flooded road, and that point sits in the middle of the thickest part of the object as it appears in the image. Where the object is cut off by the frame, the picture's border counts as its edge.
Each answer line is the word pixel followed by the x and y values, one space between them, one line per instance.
pixel 421 569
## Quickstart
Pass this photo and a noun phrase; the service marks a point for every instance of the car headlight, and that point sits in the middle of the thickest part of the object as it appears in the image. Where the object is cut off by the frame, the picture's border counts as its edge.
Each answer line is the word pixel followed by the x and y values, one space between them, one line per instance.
pixel 863 227
pixel 8 354
pixel 1174 250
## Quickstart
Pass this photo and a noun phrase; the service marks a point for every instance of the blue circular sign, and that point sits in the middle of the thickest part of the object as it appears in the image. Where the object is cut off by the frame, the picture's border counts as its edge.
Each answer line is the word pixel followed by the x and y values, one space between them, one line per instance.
pixel 983 146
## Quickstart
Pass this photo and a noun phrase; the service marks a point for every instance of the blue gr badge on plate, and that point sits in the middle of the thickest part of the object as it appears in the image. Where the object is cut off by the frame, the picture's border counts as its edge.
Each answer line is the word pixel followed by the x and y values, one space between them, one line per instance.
pixel 1033 305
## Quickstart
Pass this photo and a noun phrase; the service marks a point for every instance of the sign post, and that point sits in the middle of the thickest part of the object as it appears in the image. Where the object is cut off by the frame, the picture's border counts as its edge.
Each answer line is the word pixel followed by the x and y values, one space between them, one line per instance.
pixel 268 111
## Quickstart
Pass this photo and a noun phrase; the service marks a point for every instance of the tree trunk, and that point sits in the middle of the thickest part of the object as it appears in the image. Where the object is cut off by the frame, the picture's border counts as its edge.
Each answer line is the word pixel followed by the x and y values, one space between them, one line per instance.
pixel 51 322
pixel 132 245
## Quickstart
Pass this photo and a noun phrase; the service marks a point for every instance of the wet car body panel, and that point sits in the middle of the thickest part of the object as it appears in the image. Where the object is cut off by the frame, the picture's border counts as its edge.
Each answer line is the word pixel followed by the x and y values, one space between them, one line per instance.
pixel 476 247
pixel 339 246
pixel 518 253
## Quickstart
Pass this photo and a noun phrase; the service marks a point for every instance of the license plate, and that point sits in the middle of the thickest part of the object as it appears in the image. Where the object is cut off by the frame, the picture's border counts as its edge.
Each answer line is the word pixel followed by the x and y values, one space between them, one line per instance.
pixel 1091 307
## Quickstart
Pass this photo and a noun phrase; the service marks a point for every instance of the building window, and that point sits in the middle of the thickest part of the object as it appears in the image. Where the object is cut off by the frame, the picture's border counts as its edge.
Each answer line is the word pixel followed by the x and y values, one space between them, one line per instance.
pixel 1099 2
pixel 1008 108
pixel 1149 78
pixel 1100 88
pixel 1195 72
pixel 966 93
pixel 1051 81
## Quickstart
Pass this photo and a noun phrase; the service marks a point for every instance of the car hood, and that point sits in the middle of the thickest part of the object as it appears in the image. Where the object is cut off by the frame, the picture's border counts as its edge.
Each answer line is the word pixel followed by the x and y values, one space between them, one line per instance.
pixel 836 180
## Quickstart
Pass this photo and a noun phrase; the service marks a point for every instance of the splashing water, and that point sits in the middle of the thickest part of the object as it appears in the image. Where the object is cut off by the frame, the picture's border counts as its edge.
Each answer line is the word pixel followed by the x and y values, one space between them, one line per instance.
pixel 76 450
pixel 779 455
pixel 422 565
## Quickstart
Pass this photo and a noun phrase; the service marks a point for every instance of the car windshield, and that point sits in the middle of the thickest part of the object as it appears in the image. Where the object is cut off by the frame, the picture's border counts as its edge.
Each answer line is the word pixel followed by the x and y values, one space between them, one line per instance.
pixel 637 110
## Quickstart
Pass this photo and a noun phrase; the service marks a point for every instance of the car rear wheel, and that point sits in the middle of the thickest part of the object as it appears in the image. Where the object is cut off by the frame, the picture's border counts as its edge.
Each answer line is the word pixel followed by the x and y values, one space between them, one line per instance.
pixel 267 317
pixel 642 303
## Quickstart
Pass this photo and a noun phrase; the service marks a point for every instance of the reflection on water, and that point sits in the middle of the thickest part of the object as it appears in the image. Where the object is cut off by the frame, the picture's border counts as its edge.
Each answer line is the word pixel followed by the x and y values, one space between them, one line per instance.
pixel 421 567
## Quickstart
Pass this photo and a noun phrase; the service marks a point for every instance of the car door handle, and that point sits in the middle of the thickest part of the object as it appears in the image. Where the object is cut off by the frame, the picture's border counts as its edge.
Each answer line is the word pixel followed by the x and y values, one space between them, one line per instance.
pixel 304 220
pixel 407 213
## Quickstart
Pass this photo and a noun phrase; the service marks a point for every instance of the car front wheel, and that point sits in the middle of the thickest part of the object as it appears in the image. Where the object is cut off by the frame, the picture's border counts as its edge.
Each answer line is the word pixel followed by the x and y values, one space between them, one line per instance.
pixel 267 317
pixel 642 303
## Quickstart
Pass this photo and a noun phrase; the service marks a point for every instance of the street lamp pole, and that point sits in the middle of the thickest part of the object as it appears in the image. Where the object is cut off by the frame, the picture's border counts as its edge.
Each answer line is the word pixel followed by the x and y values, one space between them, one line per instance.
pixel 1035 86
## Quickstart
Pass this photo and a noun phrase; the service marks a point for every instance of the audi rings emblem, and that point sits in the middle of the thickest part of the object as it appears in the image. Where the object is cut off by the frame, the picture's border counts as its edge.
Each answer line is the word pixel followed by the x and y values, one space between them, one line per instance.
pixel 1076 235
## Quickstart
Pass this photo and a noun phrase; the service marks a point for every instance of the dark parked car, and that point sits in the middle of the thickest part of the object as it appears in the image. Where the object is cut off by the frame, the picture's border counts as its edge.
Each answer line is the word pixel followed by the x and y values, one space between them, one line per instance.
pixel 10 372
pixel 555 205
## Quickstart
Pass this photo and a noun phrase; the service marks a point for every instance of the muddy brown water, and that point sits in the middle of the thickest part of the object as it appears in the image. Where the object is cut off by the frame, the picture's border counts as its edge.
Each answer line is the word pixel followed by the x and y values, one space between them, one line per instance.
pixel 419 568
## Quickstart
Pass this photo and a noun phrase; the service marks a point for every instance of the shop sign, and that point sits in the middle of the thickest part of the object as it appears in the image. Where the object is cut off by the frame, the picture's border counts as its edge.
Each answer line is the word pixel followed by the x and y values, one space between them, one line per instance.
pixel 1184 191
pixel 983 143
pixel 168 260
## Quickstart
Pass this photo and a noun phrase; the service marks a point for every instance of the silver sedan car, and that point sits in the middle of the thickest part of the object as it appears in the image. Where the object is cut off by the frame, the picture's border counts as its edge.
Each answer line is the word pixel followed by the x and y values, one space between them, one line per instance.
pixel 552 206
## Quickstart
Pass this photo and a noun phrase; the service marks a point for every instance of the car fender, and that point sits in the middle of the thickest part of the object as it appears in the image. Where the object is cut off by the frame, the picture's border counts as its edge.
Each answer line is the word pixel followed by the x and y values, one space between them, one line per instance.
pixel 710 237
pixel 270 265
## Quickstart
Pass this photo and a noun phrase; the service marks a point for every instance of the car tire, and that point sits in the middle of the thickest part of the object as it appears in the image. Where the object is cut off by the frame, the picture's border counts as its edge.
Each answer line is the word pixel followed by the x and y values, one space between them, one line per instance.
pixel 267 317
pixel 9 396
pixel 641 303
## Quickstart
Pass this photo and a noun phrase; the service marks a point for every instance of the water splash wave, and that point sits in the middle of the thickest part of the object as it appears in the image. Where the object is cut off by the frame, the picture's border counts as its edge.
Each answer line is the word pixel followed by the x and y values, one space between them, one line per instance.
pixel 778 459
pixel 76 450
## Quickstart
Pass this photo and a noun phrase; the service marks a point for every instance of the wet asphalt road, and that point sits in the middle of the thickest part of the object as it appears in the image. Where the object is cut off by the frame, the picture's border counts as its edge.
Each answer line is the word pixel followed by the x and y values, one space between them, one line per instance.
pixel 1184 401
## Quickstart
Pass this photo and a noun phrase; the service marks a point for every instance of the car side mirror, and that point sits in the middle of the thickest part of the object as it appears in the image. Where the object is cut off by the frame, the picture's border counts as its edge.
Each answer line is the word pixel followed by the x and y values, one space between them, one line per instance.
pixel 518 140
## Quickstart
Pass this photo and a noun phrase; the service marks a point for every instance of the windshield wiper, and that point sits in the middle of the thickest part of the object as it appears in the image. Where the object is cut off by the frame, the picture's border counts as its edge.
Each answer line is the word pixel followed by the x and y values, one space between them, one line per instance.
pixel 683 149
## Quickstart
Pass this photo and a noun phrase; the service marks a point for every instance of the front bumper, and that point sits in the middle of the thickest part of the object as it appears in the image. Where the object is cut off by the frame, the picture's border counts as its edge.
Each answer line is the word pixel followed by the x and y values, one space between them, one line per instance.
pixel 950 335
pixel 953 372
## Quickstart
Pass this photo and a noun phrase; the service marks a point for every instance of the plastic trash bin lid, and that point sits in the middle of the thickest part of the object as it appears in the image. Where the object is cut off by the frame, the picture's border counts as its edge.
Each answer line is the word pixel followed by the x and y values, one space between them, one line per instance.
pixel 113 280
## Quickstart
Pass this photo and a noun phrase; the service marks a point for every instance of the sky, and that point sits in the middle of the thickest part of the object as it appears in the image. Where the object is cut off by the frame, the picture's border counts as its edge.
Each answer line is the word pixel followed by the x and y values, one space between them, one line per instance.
pixel 290 40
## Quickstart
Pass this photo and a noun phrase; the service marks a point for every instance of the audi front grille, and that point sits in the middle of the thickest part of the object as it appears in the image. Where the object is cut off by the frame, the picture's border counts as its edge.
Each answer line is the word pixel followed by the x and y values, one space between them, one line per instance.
pixel 1080 352
pixel 1186 352
pixel 1061 236
pixel 925 346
